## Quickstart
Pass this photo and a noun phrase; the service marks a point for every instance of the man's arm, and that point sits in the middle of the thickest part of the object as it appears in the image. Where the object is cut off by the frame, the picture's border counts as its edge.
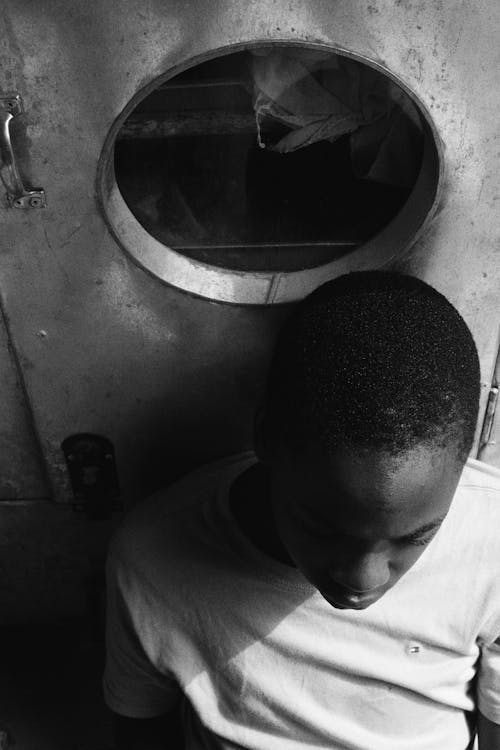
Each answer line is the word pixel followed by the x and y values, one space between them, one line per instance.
pixel 488 733
pixel 131 681
pixel 158 733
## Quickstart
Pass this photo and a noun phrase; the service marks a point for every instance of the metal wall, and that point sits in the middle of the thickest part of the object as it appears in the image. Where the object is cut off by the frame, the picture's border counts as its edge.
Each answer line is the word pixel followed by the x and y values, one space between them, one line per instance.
pixel 171 379
pixel 21 468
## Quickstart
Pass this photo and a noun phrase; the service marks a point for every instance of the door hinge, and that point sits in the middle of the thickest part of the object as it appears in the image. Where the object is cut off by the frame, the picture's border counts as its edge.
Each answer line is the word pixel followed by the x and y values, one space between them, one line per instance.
pixel 488 438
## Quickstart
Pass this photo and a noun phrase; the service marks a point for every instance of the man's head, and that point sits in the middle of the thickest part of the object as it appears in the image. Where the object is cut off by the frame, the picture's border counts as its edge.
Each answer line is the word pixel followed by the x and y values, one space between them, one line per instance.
pixel 371 410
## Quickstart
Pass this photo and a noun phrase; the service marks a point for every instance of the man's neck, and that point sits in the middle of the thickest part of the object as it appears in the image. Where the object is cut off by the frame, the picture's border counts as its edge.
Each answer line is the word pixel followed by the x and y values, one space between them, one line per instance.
pixel 250 502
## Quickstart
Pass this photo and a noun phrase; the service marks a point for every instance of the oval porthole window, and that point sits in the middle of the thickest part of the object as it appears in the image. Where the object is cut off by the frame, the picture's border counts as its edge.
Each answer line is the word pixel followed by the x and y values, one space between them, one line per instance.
pixel 256 175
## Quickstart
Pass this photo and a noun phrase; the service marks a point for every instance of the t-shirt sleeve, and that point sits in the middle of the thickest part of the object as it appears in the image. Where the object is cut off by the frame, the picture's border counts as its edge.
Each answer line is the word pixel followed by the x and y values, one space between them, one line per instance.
pixel 133 686
pixel 488 681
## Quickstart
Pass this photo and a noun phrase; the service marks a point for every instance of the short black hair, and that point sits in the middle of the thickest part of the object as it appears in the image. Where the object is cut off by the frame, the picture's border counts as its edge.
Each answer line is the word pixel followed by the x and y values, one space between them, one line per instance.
pixel 374 359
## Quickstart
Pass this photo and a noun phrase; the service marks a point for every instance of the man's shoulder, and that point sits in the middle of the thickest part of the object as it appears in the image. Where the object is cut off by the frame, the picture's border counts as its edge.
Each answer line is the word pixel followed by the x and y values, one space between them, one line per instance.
pixel 164 521
pixel 475 511
pixel 480 480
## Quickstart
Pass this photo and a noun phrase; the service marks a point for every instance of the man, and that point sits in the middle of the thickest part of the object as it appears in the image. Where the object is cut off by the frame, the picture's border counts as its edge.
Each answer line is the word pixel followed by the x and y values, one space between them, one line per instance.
pixel 342 590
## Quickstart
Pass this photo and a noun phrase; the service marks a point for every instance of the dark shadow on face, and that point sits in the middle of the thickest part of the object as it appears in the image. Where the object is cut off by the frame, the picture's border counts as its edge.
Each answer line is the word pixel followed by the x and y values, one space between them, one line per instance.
pixel 355 522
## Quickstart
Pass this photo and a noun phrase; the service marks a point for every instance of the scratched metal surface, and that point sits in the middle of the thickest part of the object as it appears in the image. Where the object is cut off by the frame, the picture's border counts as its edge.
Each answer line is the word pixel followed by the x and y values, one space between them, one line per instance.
pixel 172 379
pixel 21 469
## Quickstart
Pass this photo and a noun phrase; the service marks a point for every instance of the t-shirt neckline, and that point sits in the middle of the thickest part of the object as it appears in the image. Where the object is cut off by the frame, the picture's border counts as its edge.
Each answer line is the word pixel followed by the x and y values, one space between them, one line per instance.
pixel 262 564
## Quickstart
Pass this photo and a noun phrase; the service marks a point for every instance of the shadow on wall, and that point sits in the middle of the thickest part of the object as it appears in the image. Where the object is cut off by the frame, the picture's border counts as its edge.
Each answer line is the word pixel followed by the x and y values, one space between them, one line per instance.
pixel 209 412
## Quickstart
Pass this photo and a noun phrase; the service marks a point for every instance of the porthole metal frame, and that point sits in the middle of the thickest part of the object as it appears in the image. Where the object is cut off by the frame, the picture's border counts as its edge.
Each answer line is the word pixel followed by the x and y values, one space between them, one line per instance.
pixel 268 287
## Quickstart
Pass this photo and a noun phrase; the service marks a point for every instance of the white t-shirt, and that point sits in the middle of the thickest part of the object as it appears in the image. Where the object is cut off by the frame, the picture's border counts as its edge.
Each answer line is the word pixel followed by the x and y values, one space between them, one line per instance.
pixel 265 663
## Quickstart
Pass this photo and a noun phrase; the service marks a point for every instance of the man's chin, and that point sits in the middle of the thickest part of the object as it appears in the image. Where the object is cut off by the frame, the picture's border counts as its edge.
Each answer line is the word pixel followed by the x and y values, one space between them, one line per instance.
pixel 350 601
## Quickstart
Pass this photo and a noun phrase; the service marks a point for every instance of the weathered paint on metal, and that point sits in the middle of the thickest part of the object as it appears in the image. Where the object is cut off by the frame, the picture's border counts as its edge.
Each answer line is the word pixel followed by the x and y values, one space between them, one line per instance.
pixel 21 468
pixel 170 378
pixel 122 347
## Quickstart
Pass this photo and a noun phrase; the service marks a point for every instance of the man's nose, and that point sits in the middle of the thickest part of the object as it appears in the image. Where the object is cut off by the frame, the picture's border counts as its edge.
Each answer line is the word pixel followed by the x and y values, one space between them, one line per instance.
pixel 363 573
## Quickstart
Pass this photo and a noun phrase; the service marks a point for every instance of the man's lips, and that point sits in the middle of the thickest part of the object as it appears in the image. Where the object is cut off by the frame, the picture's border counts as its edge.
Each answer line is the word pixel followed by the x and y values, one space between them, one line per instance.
pixel 344 599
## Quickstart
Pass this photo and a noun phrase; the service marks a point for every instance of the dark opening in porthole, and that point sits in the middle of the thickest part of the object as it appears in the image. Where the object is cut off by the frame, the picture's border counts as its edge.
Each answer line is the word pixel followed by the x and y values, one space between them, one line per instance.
pixel 270 159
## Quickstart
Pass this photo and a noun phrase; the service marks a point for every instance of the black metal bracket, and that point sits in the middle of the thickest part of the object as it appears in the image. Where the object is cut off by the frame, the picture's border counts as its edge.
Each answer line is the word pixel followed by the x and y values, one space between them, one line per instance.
pixel 92 471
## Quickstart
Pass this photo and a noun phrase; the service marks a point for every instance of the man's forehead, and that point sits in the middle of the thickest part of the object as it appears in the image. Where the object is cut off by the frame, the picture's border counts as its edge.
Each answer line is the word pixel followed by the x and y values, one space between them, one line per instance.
pixel 372 471
pixel 394 494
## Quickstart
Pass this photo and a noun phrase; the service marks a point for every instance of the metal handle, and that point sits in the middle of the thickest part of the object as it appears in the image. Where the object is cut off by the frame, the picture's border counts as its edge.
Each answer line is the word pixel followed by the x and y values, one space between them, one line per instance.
pixel 18 196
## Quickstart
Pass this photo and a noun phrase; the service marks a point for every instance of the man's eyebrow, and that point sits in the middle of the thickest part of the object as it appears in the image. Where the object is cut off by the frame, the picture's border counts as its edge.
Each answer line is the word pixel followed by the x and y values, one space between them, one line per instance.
pixel 423 530
pixel 305 515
